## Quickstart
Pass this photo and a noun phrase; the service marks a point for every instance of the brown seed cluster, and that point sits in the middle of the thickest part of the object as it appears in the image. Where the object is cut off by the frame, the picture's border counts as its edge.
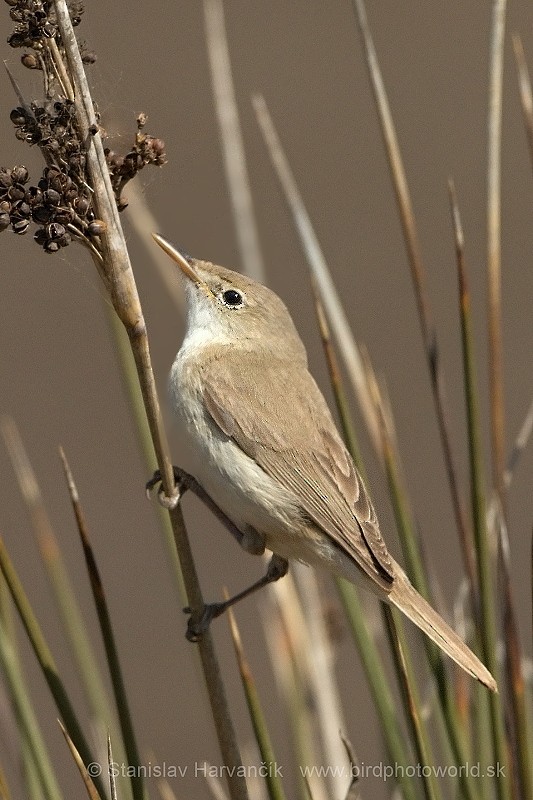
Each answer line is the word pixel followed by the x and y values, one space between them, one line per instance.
pixel 61 202
pixel 146 150
pixel 35 21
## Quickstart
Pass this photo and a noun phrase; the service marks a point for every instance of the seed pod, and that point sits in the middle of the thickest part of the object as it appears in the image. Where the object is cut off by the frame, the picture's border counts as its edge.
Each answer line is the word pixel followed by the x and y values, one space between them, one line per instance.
pixel 42 214
pixel 20 174
pixel 18 116
pixel 96 227
pixel 5 178
pixel 31 61
pixel 20 226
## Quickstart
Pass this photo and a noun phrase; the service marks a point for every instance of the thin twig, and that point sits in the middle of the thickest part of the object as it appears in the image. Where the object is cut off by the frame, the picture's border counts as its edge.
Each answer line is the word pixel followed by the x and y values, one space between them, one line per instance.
pixel 318 264
pixel 232 143
pixel 119 279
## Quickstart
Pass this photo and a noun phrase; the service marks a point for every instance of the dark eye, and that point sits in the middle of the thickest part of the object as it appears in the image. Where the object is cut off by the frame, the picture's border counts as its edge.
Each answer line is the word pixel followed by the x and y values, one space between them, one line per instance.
pixel 232 297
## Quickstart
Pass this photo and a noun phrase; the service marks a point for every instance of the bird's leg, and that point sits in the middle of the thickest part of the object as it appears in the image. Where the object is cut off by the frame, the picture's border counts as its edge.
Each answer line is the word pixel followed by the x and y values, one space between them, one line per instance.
pixel 250 540
pixel 277 568
pixel 185 481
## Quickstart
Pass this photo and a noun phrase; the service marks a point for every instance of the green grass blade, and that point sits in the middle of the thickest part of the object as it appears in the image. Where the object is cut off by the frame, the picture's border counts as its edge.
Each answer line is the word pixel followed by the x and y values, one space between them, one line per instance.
pixel 27 721
pixel 45 659
pixel 488 632
pixel 411 701
pixel 379 687
pixel 126 724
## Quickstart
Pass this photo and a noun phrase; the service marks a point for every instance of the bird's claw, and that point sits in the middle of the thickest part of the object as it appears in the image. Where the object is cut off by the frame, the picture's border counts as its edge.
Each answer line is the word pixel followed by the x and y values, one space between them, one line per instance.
pixel 167 501
pixel 197 627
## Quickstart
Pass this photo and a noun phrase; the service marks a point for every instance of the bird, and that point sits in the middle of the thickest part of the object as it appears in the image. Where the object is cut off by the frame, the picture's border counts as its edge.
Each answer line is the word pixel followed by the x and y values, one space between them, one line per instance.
pixel 266 455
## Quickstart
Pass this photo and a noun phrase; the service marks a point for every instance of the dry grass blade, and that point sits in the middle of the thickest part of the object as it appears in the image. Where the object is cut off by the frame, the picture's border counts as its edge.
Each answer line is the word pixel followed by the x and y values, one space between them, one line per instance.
pixel 317 262
pixel 494 247
pixel 110 762
pixel 117 275
pixel 90 788
pixel 4 788
pixel 232 143
pixel 519 445
pixel 321 677
pixel 526 97
pixel 353 789
pixel 287 641
pixel 419 282
pixel 348 429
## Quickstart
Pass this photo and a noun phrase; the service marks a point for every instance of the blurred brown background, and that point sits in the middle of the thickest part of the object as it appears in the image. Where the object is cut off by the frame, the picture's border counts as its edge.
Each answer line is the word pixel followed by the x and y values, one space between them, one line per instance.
pixel 59 374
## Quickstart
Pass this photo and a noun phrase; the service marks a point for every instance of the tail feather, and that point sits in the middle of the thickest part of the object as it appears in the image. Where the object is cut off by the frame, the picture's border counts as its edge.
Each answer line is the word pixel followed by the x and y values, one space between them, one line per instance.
pixel 405 597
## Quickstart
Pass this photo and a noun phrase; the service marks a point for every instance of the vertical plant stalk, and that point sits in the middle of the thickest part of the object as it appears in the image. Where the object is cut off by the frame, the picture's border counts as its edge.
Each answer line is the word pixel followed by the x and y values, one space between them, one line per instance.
pixel 419 282
pixel 232 142
pixel 488 630
pixel 106 628
pixel 497 412
pixel 118 277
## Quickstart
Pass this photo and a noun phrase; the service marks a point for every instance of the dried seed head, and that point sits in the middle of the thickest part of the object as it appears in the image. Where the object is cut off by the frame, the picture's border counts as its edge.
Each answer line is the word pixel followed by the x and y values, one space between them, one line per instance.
pixel 30 61
pixel 96 227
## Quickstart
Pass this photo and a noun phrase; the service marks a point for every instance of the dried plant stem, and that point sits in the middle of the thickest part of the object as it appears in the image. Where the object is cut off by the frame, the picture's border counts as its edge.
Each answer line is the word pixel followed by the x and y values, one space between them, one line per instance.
pixel 90 788
pixel 419 282
pixel 526 97
pixel 494 248
pixel 232 143
pixel 118 277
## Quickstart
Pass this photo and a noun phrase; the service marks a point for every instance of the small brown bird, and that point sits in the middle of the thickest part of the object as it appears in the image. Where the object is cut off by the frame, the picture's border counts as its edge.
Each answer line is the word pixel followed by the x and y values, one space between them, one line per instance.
pixel 266 455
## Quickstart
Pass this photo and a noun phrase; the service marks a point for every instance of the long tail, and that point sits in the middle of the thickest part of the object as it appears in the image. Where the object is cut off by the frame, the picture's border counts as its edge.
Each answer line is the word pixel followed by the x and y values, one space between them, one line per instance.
pixel 405 597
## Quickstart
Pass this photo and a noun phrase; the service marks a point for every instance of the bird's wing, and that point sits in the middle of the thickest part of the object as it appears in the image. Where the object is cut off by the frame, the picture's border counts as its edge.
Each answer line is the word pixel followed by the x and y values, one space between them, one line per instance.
pixel 253 404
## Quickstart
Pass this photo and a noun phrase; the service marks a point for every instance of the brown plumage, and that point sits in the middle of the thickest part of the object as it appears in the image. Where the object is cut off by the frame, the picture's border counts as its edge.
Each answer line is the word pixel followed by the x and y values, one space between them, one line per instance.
pixel 266 448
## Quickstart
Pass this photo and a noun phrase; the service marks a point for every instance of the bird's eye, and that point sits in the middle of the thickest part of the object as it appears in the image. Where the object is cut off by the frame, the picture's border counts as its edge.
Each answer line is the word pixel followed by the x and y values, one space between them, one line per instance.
pixel 232 298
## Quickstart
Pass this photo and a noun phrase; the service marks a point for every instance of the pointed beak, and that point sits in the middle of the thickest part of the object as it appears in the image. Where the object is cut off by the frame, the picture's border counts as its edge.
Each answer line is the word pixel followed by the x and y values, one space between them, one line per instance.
pixel 179 258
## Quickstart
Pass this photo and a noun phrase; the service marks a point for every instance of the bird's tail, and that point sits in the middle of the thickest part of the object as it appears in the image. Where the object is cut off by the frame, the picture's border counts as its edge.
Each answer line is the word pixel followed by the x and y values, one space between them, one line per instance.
pixel 405 597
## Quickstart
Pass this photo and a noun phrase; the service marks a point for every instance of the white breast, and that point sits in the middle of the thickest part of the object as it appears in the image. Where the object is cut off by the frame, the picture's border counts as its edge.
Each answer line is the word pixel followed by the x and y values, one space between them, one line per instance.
pixel 241 489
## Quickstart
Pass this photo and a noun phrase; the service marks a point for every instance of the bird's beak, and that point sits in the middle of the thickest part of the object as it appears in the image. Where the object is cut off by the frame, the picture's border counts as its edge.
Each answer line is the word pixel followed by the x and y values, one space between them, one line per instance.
pixel 179 258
